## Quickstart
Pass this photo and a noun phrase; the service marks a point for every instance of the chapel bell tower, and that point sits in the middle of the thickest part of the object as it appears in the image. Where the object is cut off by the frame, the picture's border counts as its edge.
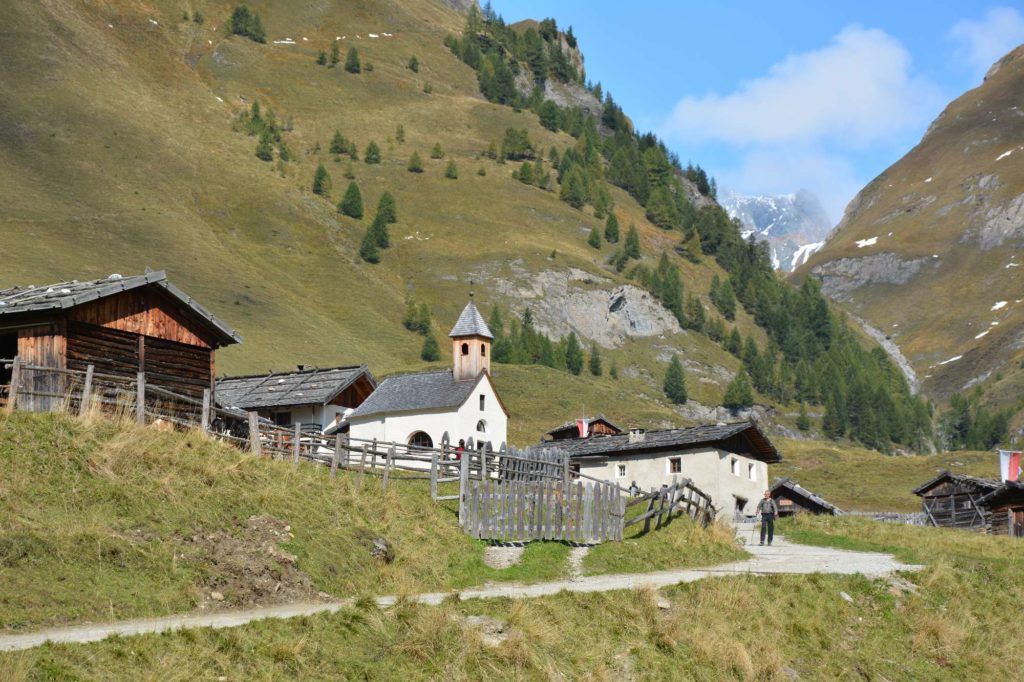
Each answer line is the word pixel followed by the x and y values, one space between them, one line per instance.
pixel 471 344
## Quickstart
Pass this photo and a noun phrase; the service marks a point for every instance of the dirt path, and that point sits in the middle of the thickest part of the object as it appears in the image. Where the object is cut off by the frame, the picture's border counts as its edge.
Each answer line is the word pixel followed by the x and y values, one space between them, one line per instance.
pixel 781 558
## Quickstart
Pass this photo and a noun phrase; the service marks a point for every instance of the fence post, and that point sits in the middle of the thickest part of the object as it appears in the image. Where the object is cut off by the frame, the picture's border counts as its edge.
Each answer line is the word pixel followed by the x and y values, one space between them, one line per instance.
pixel 388 458
pixel 433 475
pixel 254 434
pixel 83 404
pixel 463 485
pixel 140 398
pixel 204 418
pixel 295 445
pixel 565 470
pixel 337 455
pixel 12 398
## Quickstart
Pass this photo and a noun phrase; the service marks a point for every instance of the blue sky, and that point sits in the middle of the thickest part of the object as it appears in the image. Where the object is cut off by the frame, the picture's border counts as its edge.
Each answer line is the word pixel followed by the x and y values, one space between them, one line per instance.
pixel 772 97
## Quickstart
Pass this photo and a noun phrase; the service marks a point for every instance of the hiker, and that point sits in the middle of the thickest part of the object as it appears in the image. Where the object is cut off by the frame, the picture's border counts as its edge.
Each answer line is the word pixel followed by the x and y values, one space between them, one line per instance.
pixel 768 511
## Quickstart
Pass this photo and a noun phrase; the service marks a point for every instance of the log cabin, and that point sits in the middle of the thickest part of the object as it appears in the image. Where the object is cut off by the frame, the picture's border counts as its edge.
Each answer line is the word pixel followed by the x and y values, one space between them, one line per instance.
pixel 1005 509
pixel 792 498
pixel 120 325
pixel 955 500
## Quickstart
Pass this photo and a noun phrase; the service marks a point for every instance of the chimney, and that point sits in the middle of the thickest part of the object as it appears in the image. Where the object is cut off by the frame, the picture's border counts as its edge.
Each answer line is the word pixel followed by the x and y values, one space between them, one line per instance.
pixel 636 435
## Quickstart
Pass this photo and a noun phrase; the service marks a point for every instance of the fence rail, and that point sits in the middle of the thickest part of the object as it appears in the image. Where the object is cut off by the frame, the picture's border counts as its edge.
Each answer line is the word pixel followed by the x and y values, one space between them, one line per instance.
pixel 681 495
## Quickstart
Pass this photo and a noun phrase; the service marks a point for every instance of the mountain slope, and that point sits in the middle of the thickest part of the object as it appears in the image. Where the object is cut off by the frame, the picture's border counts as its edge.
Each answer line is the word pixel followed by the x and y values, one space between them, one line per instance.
pixel 118 152
pixel 794 224
pixel 929 252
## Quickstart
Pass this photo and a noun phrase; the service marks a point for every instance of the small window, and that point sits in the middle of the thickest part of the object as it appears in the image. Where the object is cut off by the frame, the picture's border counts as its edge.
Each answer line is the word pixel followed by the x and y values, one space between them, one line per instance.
pixel 734 465
pixel 483 402
pixel 420 439
pixel 283 418
pixel 620 470
pixel 751 472
pixel 675 465
pixel 483 350
pixel 465 349
pixel 481 426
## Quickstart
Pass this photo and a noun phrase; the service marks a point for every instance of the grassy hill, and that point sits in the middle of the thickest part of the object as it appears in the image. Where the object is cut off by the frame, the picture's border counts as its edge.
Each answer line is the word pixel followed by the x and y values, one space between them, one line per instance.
pixel 127 158
pixel 106 521
pixel 928 250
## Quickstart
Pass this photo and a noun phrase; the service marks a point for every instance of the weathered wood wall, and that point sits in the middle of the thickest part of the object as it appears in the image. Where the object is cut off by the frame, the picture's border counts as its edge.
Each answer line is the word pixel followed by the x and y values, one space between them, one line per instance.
pixel 149 313
pixel 954 505
pixel 43 346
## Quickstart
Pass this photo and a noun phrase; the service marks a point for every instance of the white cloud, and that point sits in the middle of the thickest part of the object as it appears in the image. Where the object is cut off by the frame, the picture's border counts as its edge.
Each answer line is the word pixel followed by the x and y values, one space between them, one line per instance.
pixel 857 90
pixel 781 170
pixel 985 41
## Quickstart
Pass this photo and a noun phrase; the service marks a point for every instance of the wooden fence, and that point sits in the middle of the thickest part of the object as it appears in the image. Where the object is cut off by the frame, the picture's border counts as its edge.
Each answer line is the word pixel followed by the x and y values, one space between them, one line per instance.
pixel 681 496
pixel 510 511
pixel 504 495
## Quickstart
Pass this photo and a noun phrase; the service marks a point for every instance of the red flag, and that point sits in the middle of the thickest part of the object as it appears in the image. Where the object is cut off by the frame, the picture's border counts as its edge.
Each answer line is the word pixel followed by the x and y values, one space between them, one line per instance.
pixel 1009 464
pixel 581 424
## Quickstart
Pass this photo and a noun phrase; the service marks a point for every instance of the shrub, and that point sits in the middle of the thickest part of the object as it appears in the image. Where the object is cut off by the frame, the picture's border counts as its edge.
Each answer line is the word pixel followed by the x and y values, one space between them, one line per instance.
pixel 415 164
pixel 245 22
pixel 372 153
pixel 352 64
pixel 414 64
pixel 451 171
pixel 437 152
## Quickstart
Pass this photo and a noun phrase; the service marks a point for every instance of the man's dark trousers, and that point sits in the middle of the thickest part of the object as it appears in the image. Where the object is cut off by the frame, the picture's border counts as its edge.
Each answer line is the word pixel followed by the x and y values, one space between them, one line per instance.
pixel 767 526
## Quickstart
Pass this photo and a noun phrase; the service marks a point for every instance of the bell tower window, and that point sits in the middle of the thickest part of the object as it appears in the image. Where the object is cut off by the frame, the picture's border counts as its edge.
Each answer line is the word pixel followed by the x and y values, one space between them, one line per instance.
pixel 465 349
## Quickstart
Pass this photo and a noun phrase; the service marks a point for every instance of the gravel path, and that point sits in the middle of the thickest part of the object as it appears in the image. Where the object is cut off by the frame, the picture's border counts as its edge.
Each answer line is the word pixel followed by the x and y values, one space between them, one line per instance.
pixel 781 558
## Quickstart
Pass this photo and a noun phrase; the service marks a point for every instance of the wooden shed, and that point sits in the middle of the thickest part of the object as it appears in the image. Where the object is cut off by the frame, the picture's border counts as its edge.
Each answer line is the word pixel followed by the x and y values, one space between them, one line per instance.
pixel 955 500
pixel 591 426
pixel 120 325
pixel 792 498
pixel 1005 509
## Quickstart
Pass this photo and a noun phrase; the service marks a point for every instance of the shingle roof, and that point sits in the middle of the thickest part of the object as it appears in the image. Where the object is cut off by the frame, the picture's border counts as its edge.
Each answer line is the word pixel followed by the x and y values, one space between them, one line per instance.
pixel 471 323
pixel 421 391
pixel 303 387
pixel 984 484
pixel 796 488
pixel 1008 491
pixel 63 295
pixel 740 437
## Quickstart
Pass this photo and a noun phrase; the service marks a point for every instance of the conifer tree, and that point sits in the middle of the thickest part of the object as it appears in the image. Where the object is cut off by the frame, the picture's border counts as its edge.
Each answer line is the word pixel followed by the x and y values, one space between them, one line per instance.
pixel 352 64
pixel 400 133
pixel 335 54
pixel 352 204
pixel 803 421
pixel 321 58
pixel 414 64
pixel 675 382
pixel 734 344
pixel 595 238
pixel 739 394
pixel 372 153
pixel 632 247
pixel 265 147
pixel 437 152
pixel 424 316
pixel 613 371
pixel 245 22
pixel 386 208
pixel 451 171
pixel 339 145
pixel 501 348
pixel 379 228
pixel 368 250
pixel 411 321
pixel 611 229
pixel 573 354
pixel 695 316
pixel 574 188
pixel 321 181
pixel 525 174
pixel 430 351
pixel 595 360
pixel 415 165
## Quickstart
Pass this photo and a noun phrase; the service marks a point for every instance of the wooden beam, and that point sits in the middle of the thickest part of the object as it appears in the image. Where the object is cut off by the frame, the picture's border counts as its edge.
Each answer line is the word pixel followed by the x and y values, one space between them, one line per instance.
pixel 254 434
pixel 204 417
pixel 83 404
pixel 296 438
pixel 12 399
pixel 140 398
pixel 337 454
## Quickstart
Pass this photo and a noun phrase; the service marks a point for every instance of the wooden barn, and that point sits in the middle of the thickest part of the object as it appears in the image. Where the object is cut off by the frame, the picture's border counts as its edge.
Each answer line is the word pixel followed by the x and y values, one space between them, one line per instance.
pixel 586 427
pixel 955 500
pixel 120 325
pixel 793 498
pixel 1005 507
